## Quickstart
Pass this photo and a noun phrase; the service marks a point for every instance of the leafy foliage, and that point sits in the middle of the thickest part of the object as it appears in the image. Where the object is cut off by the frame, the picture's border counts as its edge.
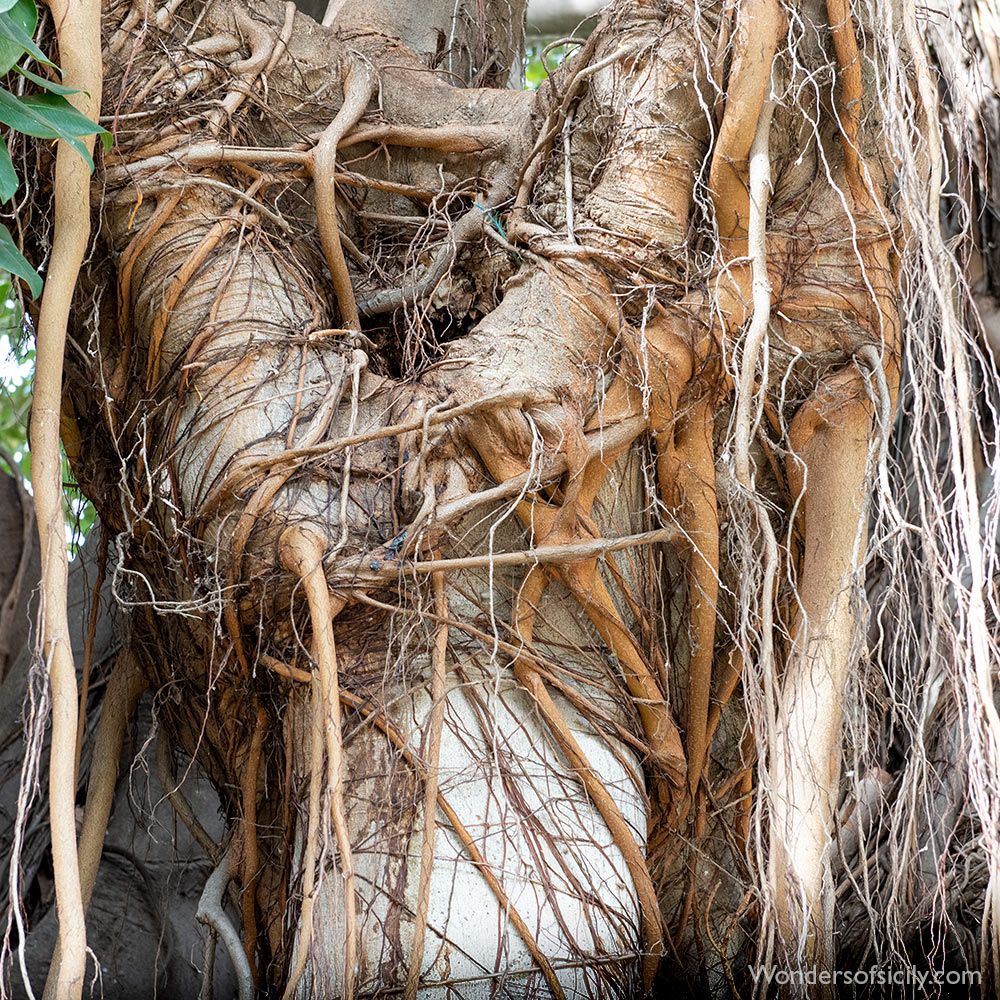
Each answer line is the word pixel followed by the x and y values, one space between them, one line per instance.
pixel 46 115
pixel 43 116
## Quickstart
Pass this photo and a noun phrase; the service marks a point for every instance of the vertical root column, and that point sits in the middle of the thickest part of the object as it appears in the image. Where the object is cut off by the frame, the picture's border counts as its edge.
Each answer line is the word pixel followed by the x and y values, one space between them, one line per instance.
pixel 830 439
pixel 301 549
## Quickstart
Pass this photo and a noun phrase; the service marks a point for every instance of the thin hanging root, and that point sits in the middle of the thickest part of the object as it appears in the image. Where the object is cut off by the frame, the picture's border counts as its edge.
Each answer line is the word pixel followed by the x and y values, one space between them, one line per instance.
pixel 431 787
pixel 168 781
pixel 78 30
pixel 359 85
pixel 525 608
pixel 829 440
pixel 88 646
pixel 125 686
pixel 251 859
pixel 304 939
pixel 301 549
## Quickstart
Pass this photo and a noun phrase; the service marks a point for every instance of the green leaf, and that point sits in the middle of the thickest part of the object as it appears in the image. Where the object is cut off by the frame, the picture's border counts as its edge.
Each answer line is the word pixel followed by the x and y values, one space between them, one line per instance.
pixel 17 25
pixel 48 116
pixel 8 175
pixel 56 111
pixel 55 88
pixel 6 4
pixel 12 261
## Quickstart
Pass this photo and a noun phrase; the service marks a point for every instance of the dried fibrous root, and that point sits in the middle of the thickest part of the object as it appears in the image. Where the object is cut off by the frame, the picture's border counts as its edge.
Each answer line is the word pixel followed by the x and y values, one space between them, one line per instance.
pixel 359 85
pixel 78 29
pixel 125 686
pixel 251 856
pixel 829 439
pixel 301 548
pixel 439 660
pixel 211 913
pixel 525 609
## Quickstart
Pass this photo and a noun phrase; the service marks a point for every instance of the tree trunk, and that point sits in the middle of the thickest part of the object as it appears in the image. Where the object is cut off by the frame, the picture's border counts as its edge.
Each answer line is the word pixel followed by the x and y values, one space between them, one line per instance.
pixel 467 449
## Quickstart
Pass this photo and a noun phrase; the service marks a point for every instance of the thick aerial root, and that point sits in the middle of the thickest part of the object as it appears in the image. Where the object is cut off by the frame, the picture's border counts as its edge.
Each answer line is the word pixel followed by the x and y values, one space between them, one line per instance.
pixel 760 26
pixel 431 787
pixel 359 85
pixel 78 28
pixel 845 44
pixel 525 609
pixel 212 915
pixel 829 439
pixel 301 551
pixel 695 481
pixel 124 688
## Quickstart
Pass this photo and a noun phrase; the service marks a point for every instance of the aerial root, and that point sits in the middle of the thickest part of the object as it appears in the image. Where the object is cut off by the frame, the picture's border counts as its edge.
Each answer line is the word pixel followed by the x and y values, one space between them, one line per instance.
pixel 179 282
pixel 301 549
pixel 569 523
pixel 167 776
pixel 698 514
pixel 208 965
pixel 431 786
pixel 211 913
pixel 88 644
pixel 304 937
pixel 258 504
pixel 78 31
pixel 265 51
pixel 760 26
pixel 829 439
pixel 359 85
pixel 125 686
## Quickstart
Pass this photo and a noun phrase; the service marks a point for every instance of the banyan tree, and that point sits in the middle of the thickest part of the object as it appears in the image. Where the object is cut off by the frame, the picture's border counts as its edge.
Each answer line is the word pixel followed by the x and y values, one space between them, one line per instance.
pixel 559 523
